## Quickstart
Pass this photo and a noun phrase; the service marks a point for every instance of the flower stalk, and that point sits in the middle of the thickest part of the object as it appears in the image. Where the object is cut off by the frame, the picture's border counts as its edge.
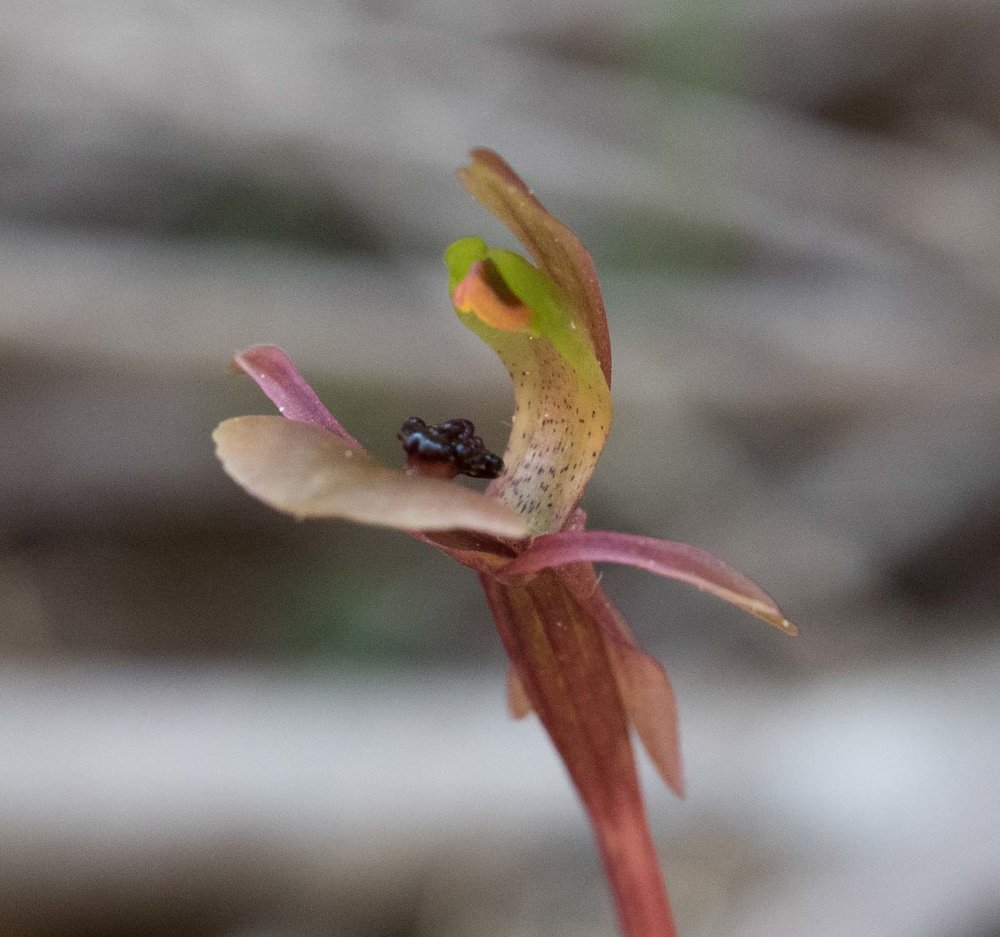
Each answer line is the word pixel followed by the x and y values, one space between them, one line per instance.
pixel 573 658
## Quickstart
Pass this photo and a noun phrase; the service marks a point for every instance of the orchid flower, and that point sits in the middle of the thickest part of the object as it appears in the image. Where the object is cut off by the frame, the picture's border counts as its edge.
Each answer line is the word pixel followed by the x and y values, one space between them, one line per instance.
pixel 573 659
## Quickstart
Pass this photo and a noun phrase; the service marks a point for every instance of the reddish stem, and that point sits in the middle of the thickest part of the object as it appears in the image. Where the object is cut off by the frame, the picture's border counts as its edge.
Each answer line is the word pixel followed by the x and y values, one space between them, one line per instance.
pixel 559 653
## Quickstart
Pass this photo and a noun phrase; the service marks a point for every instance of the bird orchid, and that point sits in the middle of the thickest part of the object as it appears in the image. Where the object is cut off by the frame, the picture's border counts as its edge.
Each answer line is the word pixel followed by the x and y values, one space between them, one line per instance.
pixel 573 659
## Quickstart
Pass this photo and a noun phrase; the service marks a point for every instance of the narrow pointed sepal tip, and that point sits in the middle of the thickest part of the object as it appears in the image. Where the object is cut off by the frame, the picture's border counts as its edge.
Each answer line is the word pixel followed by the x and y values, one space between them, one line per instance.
pixel 309 472
pixel 789 629
pixel 767 612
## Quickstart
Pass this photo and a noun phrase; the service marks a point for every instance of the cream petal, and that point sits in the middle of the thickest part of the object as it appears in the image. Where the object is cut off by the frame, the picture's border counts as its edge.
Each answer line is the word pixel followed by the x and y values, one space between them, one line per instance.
pixel 547 324
pixel 309 472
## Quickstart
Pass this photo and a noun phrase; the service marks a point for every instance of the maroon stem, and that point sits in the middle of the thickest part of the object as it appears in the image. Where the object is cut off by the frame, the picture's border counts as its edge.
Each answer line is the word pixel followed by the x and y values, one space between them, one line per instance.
pixel 561 658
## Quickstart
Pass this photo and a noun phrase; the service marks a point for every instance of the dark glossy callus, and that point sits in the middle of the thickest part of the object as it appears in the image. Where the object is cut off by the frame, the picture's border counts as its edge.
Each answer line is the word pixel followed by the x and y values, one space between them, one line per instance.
pixel 453 442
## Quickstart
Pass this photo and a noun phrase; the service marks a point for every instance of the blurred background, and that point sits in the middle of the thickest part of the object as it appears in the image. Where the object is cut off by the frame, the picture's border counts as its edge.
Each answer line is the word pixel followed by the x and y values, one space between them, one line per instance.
pixel 215 721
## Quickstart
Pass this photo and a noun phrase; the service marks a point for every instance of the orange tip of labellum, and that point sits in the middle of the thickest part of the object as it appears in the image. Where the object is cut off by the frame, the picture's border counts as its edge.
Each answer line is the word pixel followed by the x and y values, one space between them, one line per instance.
pixel 483 293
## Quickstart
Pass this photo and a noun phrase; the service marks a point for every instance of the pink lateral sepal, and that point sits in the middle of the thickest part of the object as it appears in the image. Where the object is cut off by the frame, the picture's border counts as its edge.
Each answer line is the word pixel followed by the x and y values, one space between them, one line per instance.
pixel 666 558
